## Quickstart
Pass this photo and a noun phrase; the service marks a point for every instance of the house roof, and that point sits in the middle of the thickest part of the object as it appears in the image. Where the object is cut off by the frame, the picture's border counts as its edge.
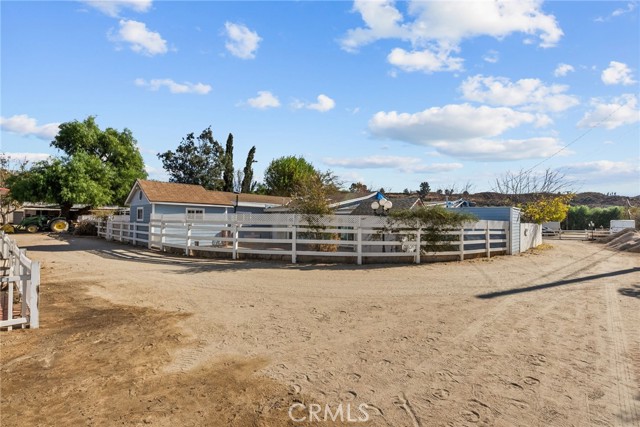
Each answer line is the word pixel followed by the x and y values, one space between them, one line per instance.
pixel 364 208
pixel 171 192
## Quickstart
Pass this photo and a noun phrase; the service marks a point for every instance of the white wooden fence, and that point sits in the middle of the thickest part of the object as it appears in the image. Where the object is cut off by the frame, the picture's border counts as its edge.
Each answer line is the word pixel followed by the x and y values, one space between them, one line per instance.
pixel 576 234
pixel 119 228
pixel 22 275
pixel 290 236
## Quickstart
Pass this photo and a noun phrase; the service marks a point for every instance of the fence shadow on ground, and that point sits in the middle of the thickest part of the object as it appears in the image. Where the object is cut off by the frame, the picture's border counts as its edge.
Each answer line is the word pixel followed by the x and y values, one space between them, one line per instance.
pixel 559 283
pixel 192 265
pixel 633 291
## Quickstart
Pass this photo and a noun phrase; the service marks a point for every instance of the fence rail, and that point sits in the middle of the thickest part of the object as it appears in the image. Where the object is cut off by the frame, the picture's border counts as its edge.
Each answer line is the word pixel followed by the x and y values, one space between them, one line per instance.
pixel 292 236
pixel 576 234
pixel 20 283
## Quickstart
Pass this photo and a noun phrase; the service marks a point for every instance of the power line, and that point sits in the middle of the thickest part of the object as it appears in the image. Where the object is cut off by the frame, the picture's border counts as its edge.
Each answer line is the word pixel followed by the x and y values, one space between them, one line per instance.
pixel 574 140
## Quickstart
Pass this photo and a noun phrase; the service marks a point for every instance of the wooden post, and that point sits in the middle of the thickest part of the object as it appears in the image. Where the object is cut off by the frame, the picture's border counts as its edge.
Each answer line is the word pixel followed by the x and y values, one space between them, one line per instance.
pixel 163 229
pixel 9 303
pixel 188 240
pixel 234 253
pixel 359 244
pixel 294 245
pixel 23 285
pixel 487 240
pixel 462 244
pixel 135 230
pixel 33 291
pixel 418 245
pixel 121 230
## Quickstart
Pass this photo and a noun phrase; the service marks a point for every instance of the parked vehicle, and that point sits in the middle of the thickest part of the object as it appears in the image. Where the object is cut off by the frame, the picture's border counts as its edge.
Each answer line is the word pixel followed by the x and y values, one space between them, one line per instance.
pixel 33 224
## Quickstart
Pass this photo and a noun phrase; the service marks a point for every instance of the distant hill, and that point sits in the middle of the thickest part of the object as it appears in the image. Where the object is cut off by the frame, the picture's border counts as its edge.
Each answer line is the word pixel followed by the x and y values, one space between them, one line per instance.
pixel 590 199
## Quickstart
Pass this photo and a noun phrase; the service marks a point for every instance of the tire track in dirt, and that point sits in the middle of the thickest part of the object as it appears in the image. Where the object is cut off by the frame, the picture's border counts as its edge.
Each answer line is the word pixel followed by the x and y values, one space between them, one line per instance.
pixel 629 412
pixel 496 319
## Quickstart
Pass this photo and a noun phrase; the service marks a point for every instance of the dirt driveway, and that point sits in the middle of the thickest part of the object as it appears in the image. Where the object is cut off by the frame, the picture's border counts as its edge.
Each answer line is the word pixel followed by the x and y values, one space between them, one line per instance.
pixel 129 336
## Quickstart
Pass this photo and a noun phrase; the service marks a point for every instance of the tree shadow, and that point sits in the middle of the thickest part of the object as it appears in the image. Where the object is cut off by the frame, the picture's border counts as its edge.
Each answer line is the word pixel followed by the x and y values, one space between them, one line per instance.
pixel 558 283
pixel 633 291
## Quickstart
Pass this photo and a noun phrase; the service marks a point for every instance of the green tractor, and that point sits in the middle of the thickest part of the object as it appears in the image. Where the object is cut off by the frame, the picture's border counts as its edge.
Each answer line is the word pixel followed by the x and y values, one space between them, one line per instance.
pixel 33 224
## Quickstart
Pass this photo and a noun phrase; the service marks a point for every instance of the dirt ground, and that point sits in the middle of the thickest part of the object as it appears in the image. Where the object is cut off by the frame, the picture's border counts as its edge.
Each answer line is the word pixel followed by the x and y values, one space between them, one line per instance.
pixel 134 337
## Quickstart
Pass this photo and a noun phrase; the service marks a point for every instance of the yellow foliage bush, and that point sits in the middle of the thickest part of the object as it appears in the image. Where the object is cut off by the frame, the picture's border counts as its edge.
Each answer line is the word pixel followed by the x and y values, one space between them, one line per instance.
pixel 547 208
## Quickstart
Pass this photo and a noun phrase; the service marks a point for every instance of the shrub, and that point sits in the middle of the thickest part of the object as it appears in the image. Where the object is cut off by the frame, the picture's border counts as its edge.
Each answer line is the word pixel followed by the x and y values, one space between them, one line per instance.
pixel 85 228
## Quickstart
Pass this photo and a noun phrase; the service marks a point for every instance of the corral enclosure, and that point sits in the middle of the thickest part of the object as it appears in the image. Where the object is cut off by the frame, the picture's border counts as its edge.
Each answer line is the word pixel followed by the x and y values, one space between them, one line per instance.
pixel 355 239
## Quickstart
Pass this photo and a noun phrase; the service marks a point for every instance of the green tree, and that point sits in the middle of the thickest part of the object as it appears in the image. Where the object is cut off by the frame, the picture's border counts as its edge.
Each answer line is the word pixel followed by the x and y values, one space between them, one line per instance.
pixel 248 184
pixel 434 221
pixel 81 178
pixel 424 190
pixel 8 168
pixel 284 175
pixel 203 161
pixel 227 173
pixel 116 150
pixel 358 187
pixel 197 160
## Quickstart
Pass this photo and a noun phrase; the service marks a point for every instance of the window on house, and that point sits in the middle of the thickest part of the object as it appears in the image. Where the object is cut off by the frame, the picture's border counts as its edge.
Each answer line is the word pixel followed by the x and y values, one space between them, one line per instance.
pixel 195 213
pixel 139 195
pixel 140 214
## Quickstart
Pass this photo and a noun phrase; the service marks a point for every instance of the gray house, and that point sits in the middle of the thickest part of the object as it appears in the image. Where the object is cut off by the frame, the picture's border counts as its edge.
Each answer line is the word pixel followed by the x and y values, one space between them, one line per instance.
pixel 165 198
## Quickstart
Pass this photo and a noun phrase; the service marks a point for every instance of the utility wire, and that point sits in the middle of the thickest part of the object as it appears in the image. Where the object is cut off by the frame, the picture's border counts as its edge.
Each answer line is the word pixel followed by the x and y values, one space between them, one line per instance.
pixel 573 141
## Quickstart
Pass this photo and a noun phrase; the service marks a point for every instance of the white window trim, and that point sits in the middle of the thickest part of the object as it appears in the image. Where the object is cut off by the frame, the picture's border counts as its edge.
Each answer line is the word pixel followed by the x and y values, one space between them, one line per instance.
pixel 197 213
pixel 138 216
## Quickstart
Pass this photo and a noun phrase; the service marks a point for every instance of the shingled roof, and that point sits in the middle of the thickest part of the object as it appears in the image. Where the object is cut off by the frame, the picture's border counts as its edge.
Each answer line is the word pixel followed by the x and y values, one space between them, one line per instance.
pixel 171 192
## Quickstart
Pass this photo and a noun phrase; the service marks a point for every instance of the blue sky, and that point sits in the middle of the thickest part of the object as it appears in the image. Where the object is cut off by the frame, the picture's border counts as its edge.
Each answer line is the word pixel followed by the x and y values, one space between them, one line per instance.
pixel 387 93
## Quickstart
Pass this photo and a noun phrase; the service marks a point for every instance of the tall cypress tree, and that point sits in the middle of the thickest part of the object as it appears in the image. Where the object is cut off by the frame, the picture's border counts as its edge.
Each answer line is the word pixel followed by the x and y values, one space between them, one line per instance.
pixel 227 175
pixel 247 179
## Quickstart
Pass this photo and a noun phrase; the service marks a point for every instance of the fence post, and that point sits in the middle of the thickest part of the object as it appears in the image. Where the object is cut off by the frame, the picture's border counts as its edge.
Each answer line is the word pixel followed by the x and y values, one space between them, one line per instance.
pixel 294 244
pixel 32 294
pixel 133 236
pixel 163 229
pixel 487 240
pixel 418 245
pixel 188 241
pixel 121 231
pixel 22 286
pixel 462 244
pixel 359 243
pixel 234 253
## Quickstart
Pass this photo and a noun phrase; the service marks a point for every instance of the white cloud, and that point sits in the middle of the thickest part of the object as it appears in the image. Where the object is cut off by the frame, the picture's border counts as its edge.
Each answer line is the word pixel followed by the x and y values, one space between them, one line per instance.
pixel 186 87
pixel 464 131
pixel 562 70
pixel 264 100
pixel 241 42
pixel 492 56
pixel 403 164
pixel 323 104
pixel 113 7
pixel 437 28
pixel 622 110
pixel 604 171
pixel 29 157
pixel 617 73
pixel 424 60
pixel 530 94
pixel 451 122
pixel 24 125
pixel 501 149
pixel 141 39
pixel 604 167
pixel 631 6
